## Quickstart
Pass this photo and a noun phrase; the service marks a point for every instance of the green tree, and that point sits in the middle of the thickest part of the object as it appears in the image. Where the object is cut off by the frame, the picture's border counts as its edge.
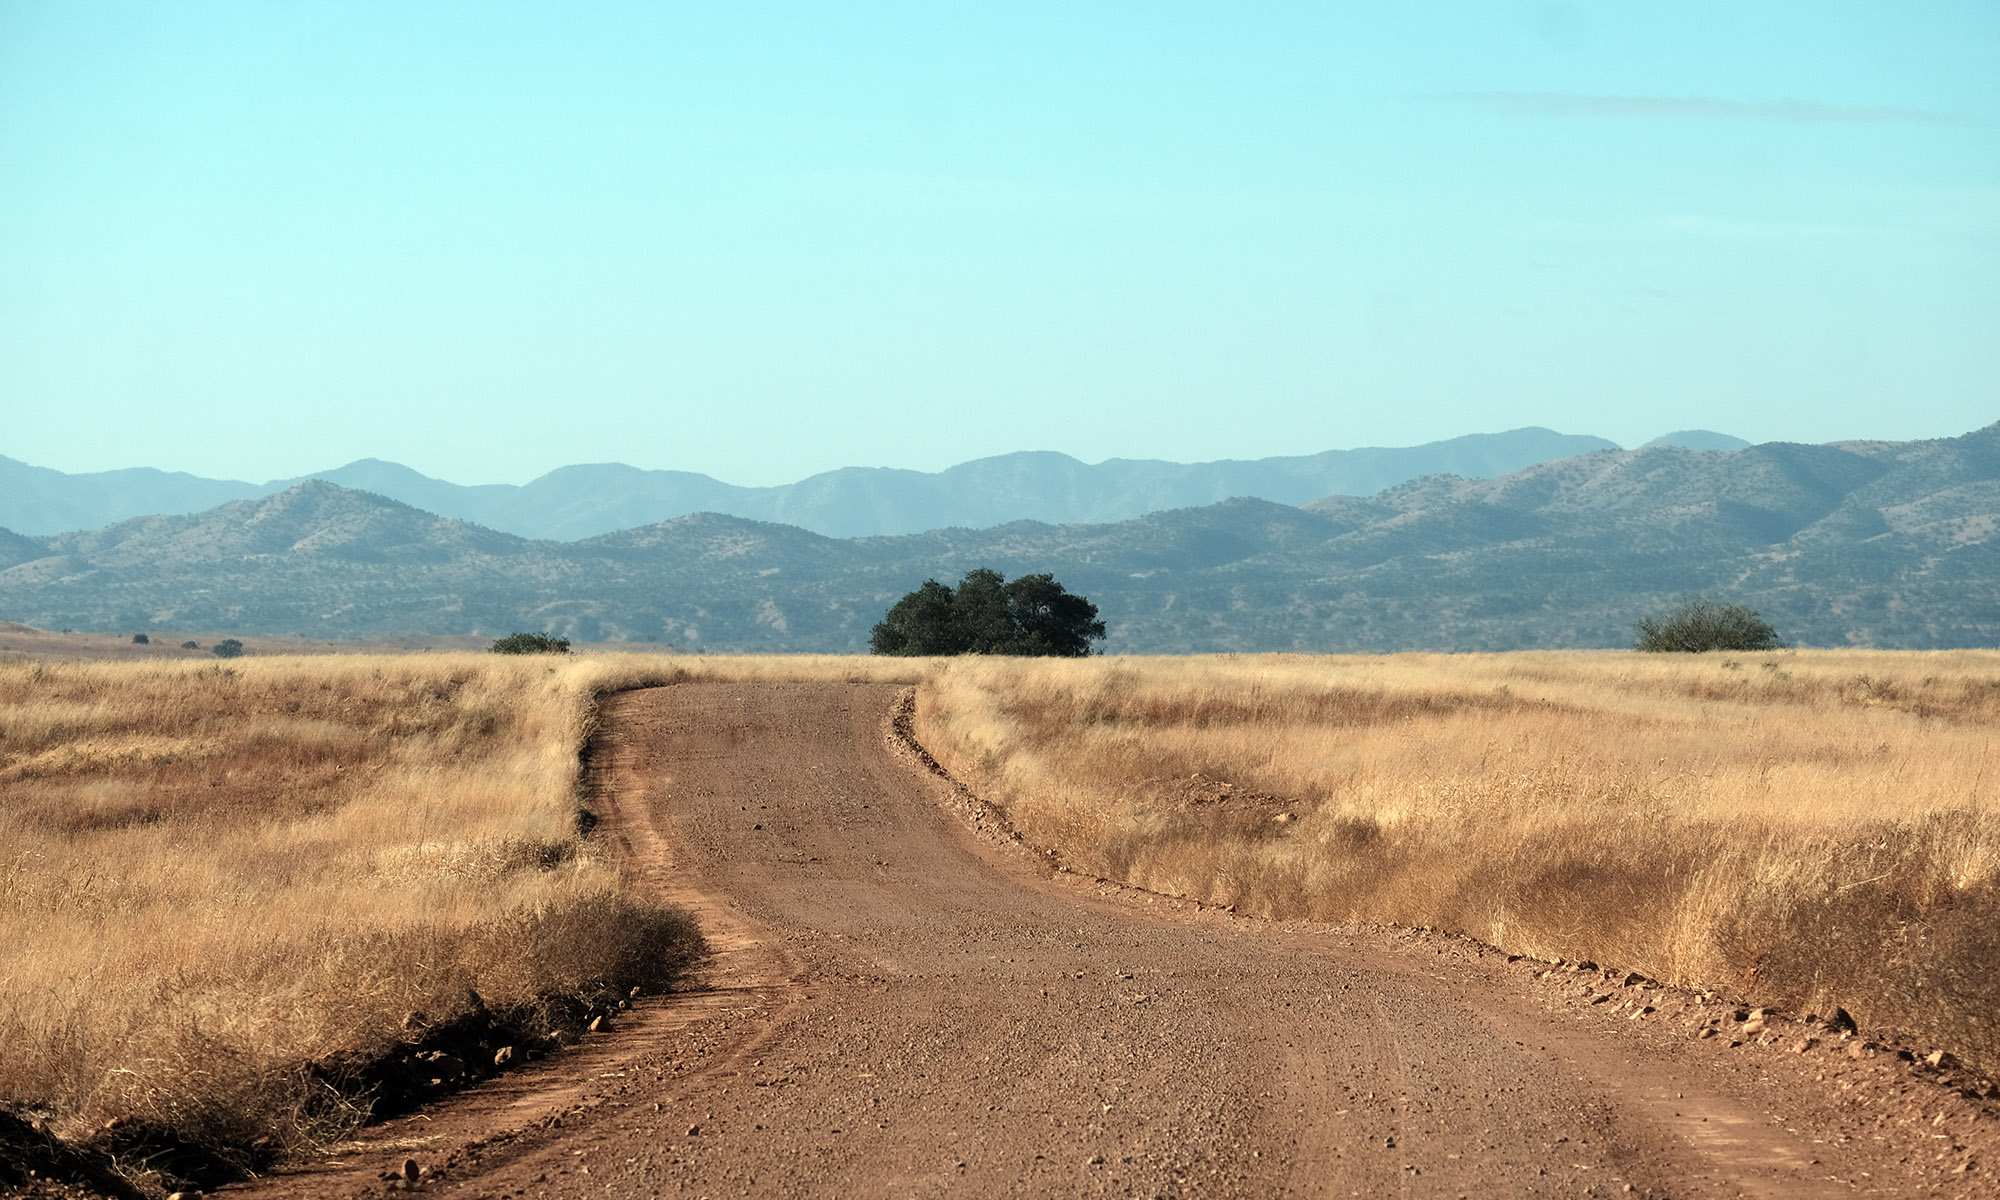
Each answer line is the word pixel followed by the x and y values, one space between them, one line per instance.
pixel 530 643
pixel 228 648
pixel 982 612
pixel 140 639
pixel 985 614
pixel 919 623
pixel 1048 620
pixel 1701 624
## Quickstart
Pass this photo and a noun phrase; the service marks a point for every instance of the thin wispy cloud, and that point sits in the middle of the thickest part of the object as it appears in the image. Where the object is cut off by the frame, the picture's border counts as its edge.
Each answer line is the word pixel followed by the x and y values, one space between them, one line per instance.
pixel 1797 112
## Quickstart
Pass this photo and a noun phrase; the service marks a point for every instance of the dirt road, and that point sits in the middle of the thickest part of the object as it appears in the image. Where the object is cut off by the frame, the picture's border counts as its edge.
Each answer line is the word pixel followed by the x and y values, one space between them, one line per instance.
pixel 902 1004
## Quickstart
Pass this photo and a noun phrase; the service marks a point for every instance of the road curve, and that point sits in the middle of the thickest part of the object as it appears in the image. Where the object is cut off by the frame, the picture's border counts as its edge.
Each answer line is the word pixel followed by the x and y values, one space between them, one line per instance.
pixel 901 1003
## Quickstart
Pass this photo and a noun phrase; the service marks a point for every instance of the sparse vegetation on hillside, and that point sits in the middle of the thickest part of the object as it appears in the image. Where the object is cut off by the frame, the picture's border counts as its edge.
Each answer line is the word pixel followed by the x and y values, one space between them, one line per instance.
pixel 1701 625
pixel 1877 546
pixel 1807 830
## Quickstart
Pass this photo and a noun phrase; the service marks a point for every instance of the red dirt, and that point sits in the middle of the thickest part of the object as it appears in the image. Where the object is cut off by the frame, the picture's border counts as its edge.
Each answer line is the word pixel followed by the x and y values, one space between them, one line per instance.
pixel 903 1001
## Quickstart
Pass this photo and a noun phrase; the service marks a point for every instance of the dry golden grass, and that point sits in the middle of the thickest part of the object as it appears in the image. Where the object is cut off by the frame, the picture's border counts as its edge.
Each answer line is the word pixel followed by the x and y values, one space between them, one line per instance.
pixel 1809 829
pixel 215 874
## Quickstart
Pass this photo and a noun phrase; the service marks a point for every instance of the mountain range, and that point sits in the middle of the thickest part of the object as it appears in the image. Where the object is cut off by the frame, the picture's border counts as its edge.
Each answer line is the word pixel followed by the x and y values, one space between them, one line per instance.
pixel 585 501
pixel 1871 544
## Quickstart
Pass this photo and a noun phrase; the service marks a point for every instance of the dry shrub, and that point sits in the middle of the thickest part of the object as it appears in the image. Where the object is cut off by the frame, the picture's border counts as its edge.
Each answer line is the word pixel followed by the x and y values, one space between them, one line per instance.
pixel 1809 829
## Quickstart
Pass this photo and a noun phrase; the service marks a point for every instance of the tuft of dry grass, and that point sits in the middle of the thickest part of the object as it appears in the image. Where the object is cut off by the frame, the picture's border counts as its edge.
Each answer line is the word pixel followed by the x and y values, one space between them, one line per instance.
pixel 1809 829
pixel 214 876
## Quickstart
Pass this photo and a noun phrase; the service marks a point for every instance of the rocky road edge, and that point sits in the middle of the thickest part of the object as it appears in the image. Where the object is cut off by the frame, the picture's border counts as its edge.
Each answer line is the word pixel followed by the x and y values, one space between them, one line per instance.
pixel 431 1063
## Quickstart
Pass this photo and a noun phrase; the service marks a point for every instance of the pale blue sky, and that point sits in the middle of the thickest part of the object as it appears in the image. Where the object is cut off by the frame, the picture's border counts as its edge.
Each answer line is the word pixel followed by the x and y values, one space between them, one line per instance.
pixel 761 240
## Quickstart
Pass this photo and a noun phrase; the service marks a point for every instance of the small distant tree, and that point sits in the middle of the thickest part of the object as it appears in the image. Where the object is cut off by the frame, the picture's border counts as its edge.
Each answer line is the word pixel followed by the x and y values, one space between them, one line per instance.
pixel 140 639
pixel 1701 624
pixel 986 614
pixel 530 643
pixel 228 648
pixel 190 645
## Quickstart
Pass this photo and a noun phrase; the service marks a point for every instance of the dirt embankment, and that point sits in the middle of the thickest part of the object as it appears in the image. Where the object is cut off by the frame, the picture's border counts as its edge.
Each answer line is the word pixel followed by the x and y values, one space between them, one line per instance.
pixel 902 1001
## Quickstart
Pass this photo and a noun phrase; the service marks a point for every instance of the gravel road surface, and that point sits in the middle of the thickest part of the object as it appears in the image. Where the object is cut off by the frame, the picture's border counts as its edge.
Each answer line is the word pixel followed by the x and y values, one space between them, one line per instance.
pixel 902 1001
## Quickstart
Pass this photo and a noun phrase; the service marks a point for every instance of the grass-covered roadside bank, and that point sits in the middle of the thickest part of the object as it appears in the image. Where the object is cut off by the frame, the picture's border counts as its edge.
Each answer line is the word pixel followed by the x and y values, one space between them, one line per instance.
pixel 231 892
pixel 1810 830
pixel 242 904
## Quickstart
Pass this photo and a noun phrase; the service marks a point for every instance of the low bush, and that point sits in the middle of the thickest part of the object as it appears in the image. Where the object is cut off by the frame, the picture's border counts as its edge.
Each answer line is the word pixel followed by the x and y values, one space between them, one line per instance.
pixel 530 643
pixel 1701 624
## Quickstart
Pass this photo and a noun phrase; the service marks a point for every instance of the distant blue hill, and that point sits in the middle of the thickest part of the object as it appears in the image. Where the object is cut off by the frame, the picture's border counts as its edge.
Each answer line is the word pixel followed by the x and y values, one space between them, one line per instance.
pixel 577 502
pixel 1698 439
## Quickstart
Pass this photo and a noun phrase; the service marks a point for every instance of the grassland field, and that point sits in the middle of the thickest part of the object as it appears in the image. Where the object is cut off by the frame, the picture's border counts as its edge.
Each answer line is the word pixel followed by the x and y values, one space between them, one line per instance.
pixel 1808 830
pixel 215 875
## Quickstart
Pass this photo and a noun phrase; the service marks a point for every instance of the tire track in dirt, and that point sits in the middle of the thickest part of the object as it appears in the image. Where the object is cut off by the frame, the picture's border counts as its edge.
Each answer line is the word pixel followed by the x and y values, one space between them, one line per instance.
pixel 904 1001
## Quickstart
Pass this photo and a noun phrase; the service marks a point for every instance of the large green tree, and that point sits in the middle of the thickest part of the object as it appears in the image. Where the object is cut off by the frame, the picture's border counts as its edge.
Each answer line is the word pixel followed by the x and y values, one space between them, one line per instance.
pixel 986 614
